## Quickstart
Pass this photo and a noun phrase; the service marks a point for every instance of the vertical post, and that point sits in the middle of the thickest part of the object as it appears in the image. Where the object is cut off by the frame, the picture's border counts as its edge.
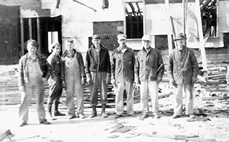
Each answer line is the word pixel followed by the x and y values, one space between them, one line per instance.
pixel 30 28
pixel 22 36
pixel 201 38
pixel 170 47
pixel 184 18
pixel 38 35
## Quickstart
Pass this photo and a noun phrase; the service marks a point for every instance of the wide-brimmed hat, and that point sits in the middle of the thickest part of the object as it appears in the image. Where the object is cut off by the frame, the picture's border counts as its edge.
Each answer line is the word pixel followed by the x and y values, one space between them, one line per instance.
pixel 180 36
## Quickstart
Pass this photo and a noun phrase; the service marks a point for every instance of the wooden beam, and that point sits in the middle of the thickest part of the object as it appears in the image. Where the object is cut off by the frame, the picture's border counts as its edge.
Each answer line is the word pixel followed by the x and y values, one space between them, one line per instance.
pixel 38 34
pixel 173 30
pixel 22 36
pixel 85 5
pixel 201 38
pixel 30 28
pixel 169 37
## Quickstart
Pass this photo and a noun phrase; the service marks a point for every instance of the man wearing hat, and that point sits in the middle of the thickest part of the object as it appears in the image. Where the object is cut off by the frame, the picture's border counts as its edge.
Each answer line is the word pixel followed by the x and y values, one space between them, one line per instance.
pixel 122 73
pixel 55 83
pixel 98 74
pixel 33 71
pixel 149 70
pixel 183 70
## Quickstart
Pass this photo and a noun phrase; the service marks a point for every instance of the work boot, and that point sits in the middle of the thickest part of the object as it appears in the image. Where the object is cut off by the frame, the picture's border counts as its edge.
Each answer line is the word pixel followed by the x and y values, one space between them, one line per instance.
pixel 104 115
pixel 94 112
pixel 56 112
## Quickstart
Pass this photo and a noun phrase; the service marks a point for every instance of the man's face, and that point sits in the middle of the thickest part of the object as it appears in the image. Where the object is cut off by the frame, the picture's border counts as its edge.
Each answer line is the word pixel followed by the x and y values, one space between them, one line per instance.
pixel 69 46
pixel 122 42
pixel 96 42
pixel 57 49
pixel 180 44
pixel 31 48
pixel 146 44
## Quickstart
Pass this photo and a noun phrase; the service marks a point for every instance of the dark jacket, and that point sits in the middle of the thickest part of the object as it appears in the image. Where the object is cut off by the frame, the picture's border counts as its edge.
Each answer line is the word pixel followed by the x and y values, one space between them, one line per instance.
pixel 56 64
pixel 44 65
pixel 79 59
pixel 185 69
pixel 103 65
pixel 149 65
pixel 122 65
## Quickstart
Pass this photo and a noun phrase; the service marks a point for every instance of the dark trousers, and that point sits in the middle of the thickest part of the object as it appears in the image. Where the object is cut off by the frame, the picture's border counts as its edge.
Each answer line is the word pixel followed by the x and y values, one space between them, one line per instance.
pixel 98 82
pixel 55 90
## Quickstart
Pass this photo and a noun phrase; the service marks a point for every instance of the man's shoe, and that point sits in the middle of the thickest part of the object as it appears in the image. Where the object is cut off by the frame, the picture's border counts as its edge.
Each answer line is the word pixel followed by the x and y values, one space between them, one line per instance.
pixel 191 116
pixel 175 116
pixel 118 116
pixel 104 115
pixel 93 115
pixel 131 115
pixel 22 124
pixel 57 113
pixel 71 116
pixel 82 116
pixel 44 121
pixel 144 116
pixel 156 116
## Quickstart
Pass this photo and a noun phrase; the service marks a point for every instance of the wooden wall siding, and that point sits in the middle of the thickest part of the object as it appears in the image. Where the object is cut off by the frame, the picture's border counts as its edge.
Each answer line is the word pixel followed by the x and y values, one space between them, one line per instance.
pixel 108 32
pixel 9 30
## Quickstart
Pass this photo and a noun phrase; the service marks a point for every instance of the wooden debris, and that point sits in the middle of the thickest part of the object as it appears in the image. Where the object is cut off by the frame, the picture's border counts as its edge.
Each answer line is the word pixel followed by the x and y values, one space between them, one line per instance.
pixel 4 134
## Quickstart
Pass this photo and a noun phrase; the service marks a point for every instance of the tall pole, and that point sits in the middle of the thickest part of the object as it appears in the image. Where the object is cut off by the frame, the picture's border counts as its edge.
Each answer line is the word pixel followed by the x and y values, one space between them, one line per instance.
pixel 201 37
pixel 22 36
pixel 38 34
pixel 184 18
pixel 170 47
pixel 30 28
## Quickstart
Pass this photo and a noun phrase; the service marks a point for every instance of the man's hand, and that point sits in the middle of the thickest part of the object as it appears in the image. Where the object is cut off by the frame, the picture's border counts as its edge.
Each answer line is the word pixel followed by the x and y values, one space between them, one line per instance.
pixel 82 80
pixel 173 83
pixel 159 79
pixel 63 84
pixel 113 83
pixel 137 82
pixel 108 80
pixel 194 79
pixel 44 79
pixel 89 80
pixel 22 88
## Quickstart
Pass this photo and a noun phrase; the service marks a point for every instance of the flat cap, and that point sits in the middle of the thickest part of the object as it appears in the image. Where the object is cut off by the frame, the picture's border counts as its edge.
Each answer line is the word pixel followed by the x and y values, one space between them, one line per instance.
pixel 146 37
pixel 95 36
pixel 121 36
pixel 180 36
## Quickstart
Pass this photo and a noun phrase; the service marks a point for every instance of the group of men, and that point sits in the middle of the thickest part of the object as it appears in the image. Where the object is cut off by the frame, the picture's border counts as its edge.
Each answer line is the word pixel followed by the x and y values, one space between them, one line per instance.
pixel 122 68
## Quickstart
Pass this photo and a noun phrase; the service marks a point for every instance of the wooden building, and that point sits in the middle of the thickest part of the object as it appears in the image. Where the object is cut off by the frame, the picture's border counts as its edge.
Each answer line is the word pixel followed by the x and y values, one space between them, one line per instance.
pixel 49 20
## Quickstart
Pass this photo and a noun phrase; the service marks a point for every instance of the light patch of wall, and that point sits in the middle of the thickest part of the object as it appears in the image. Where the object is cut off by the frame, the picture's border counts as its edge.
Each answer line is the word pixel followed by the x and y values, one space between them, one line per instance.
pixel 223 16
pixel 77 19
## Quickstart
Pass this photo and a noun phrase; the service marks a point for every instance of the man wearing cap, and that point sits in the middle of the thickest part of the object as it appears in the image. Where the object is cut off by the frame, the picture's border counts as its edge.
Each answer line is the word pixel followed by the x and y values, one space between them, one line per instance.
pixel 183 70
pixel 122 74
pixel 34 70
pixel 74 77
pixel 55 83
pixel 98 74
pixel 149 69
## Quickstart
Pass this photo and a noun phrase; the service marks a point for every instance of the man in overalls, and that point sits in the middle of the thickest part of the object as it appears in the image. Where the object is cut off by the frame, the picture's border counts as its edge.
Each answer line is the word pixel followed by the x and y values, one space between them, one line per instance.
pixel 34 70
pixel 74 80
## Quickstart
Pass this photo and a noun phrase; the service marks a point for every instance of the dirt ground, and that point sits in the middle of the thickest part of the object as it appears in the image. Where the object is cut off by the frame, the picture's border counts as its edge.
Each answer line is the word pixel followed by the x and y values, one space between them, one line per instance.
pixel 210 125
